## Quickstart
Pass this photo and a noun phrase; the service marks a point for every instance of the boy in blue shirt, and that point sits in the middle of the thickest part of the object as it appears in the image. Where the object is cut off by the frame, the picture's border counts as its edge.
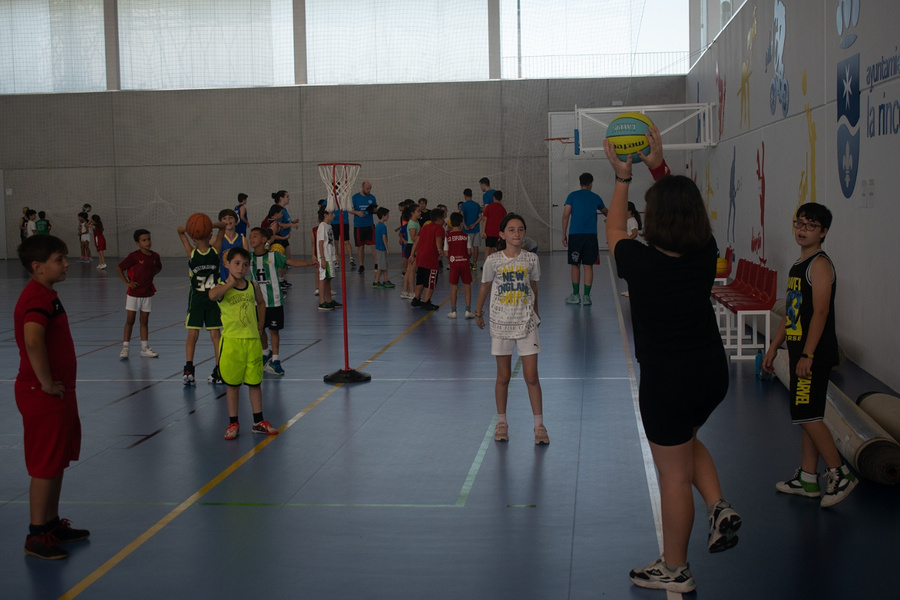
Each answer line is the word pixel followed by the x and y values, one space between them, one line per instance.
pixel 381 250
pixel 581 237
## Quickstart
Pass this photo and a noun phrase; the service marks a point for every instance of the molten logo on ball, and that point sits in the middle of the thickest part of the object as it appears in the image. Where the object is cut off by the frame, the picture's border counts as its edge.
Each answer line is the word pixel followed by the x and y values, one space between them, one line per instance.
pixel 627 134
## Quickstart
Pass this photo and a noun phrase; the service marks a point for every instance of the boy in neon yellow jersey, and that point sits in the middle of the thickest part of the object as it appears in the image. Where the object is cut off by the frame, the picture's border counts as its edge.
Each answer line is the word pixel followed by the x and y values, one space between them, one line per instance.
pixel 240 349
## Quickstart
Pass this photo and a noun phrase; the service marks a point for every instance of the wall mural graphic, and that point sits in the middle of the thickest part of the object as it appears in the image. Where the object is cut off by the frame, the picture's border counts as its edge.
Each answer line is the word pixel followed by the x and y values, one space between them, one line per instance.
pixel 758 240
pixel 779 89
pixel 848 100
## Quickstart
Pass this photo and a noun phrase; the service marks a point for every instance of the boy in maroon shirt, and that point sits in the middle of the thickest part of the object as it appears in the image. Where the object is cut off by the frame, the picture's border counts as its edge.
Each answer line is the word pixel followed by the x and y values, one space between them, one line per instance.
pixel 45 394
pixel 428 249
pixel 137 271
pixel 493 214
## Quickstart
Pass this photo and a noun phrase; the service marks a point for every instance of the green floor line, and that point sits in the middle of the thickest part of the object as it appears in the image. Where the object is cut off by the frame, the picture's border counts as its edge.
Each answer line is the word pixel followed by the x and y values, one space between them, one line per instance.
pixel 476 465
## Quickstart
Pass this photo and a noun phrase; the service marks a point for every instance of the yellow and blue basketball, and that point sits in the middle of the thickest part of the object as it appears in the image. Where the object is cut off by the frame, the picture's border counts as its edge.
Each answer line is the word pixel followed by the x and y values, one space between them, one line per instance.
pixel 627 133
pixel 277 248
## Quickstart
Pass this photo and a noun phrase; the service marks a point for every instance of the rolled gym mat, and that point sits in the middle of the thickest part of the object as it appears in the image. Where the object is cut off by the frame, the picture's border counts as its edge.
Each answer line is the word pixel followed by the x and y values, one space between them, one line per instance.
pixel 884 409
pixel 870 450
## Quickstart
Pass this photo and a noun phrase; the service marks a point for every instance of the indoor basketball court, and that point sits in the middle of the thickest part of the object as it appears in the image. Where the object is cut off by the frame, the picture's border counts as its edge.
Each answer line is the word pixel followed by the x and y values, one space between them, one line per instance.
pixel 384 480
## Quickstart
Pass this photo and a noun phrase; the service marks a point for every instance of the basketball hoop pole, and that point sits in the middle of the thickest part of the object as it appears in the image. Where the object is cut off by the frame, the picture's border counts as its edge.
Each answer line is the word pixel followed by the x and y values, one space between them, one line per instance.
pixel 345 375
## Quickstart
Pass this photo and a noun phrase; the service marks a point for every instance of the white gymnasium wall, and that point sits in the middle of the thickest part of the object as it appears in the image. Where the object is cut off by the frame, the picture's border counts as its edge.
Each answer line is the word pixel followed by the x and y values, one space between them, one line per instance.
pixel 150 158
pixel 803 161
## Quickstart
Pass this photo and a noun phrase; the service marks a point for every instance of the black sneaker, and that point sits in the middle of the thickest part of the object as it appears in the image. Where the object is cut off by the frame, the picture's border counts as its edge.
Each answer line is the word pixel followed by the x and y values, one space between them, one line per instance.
pixel 44 545
pixel 64 532
pixel 188 377
pixel 416 303
pixel 429 306
pixel 362 269
pixel 215 377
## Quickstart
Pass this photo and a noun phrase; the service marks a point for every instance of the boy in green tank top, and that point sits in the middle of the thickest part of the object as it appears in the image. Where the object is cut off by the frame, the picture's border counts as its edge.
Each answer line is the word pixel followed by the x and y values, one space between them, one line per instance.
pixel 203 270
pixel 240 349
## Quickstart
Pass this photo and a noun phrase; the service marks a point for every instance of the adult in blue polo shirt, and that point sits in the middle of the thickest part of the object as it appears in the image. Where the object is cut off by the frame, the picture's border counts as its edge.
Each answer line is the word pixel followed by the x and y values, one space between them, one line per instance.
pixel 364 224
pixel 580 236
pixel 471 224
pixel 488 194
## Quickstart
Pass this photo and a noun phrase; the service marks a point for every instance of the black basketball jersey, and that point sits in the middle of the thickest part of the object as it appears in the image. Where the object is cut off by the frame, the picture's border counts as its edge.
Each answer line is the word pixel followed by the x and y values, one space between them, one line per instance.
pixel 799 310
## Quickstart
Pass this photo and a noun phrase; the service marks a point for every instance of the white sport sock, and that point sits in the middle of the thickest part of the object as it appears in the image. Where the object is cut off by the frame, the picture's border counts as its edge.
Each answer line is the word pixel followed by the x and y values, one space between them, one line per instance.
pixel 275 356
pixel 144 344
pixel 808 477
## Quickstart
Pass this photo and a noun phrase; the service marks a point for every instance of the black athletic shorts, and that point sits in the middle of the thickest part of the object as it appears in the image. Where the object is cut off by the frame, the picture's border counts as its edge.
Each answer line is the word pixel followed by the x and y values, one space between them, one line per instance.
pixel 275 317
pixel 808 395
pixel 491 241
pixel 336 229
pixel 426 277
pixel 677 398
pixel 584 249
pixel 365 236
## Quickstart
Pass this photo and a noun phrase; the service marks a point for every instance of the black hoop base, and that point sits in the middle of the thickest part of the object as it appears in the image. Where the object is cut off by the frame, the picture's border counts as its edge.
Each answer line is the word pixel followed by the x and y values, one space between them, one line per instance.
pixel 348 376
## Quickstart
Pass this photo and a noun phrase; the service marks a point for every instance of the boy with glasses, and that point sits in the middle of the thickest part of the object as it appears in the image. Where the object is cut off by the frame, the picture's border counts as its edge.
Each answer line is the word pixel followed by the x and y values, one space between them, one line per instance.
pixel 809 329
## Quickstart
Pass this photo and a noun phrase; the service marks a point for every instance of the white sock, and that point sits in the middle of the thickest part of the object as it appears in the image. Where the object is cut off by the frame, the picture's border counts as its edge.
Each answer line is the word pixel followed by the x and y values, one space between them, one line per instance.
pixel 274 357
pixel 808 477
pixel 501 418
pixel 144 344
pixel 126 344
pixel 538 420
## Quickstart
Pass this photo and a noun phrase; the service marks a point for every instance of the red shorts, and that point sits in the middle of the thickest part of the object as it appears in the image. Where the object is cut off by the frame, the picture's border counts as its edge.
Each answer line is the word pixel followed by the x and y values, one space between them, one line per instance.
pixel 100 242
pixel 460 270
pixel 52 430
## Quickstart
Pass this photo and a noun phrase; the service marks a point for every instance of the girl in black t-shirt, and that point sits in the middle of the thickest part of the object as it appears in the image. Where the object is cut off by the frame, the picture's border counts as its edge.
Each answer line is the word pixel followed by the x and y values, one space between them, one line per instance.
pixel 669 282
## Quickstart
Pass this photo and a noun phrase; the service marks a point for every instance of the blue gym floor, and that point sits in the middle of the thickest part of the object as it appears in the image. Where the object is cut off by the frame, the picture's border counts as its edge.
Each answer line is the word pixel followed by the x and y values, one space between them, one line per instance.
pixel 394 489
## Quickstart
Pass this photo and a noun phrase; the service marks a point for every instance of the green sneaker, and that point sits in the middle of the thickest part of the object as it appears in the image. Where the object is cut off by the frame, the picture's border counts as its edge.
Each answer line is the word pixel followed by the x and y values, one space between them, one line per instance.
pixel 587 300
pixel 797 486
pixel 573 299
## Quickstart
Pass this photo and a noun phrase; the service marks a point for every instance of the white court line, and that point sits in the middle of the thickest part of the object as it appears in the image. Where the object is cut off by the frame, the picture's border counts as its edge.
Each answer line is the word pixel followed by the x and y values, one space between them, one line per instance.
pixel 649 467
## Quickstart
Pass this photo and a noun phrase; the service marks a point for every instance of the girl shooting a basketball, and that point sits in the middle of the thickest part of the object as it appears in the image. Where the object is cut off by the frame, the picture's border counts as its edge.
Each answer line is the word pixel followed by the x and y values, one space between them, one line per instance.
pixel 675 329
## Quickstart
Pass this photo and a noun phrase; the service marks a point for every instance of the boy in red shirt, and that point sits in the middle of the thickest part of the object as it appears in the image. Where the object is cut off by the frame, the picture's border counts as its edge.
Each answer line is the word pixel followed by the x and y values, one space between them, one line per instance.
pixel 137 271
pixel 456 246
pixel 492 220
pixel 427 250
pixel 45 394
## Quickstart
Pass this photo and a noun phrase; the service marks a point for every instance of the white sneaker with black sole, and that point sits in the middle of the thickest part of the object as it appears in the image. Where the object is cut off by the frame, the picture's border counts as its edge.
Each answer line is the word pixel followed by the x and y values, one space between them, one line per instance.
pixel 723 525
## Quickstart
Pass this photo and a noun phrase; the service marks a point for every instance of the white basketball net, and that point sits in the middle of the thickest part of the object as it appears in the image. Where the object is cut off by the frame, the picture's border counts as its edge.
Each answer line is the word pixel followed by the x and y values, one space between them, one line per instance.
pixel 338 179
pixel 557 147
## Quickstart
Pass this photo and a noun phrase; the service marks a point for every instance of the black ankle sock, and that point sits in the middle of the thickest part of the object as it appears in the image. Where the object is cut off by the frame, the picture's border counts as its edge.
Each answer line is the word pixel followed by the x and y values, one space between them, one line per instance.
pixel 257 417
pixel 232 419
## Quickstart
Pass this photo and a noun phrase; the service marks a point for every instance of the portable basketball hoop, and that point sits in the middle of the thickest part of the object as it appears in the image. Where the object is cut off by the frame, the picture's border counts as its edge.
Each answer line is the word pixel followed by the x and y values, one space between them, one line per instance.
pixel 338 179
pixel 557 147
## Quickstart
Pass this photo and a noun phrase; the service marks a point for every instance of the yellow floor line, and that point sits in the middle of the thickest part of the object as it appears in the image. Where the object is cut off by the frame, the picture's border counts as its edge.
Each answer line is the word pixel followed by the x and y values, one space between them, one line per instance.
pixel 156 528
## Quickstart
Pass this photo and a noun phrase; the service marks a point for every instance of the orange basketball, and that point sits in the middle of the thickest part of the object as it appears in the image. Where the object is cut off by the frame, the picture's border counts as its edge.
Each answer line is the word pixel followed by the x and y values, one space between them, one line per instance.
pixel 198 226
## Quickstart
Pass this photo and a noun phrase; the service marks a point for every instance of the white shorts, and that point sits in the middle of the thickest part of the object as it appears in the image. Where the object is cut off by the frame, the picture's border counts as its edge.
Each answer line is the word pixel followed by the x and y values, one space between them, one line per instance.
pixel 135 304
pixel 474 240
pixel 85 237
pixel 327 272
pixel 530 344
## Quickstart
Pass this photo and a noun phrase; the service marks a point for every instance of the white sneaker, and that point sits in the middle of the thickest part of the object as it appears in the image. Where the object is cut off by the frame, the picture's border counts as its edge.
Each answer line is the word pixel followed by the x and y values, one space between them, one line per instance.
pixel 451 314
pixel 470 315
pixel 149 352
pixel 316 293
pixel 124 352
pixel 101 266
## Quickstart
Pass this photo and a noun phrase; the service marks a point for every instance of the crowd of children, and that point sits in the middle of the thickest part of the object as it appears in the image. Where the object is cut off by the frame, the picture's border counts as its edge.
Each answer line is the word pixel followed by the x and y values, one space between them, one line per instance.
pixel 237 293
